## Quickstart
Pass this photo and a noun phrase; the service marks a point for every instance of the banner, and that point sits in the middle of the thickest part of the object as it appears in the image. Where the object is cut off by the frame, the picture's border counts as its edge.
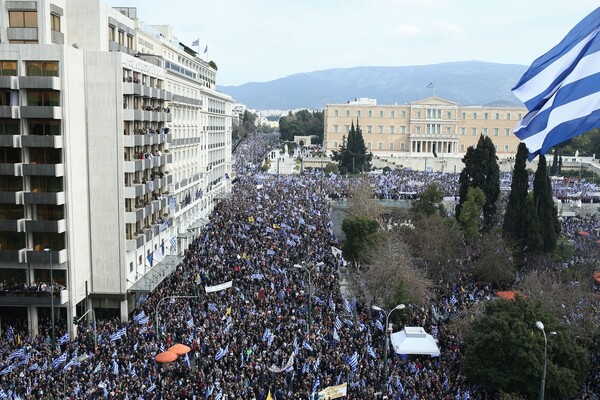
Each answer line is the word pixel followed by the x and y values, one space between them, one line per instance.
pixel 218 288
pixel 333 392
pixel 290 362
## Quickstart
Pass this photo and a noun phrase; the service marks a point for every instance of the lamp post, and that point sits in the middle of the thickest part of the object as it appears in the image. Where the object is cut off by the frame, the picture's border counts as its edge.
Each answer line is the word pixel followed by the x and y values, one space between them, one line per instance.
pixel 158 305
pixel 385 346
pixel 309 270
pixel 91 310
pixel 49 251
pixel 540 326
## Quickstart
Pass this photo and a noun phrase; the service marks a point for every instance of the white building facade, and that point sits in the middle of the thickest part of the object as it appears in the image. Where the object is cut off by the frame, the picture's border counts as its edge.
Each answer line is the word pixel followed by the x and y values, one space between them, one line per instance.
pixel 114 156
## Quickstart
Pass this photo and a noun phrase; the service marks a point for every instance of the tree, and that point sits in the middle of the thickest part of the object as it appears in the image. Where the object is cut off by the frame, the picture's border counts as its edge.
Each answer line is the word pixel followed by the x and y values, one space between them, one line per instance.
pixel 544 207
pixel 352 154
pixel 302 123
pixel 494 263
pixel 391 276
pixel 470 216
pixel 429 202
pixel 361 233
pixel 515 217
pixel 481 171
pixel 505 351
pixel 362 201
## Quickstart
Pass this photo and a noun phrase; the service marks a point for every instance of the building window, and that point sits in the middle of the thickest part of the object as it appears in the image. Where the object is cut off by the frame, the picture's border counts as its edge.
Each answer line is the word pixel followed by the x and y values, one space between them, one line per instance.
pixel 380 145
pixel 463 131
pixel 497 115
pixel 447 130
pixel 391 129
pixel 393 114
pixel 462 147
pixel 508 116
pixel 44 98
pixel 474 130
pixel 449 115
pixel 485 115
pixel 335 113
pixel 55 22
pixel 380 127
pixel 370 113
pixel 418 114
pixel 335 145
pixel 111 33
pixel 347 113
pixel 347 128
pixel 519 116
pixel 474 115
pixel 496 131
pixel 402 146
pixel 130 41
pixel 358 113
pixel 381 113
pixel 22 19
pixel 391 145
pixel 403 129
pixel 8 68
pixel 41 68
pixel 121 38
pixel 369 145
pixel 464 115
pixel 485 131
pixel 131 267
pixel 418 130
pixel 403 114
pixel 506 148
pixel 369 128
pixel 335 128
pixel 507 131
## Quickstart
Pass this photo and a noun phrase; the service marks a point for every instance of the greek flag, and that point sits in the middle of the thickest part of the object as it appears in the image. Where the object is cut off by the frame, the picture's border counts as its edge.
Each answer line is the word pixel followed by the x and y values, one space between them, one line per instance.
pixel 190 322
pixel 296 347
pixel 212 307
pixel 336 337
pixel 353 361
pixel 268 336
pixel 316 366
pixel 348 322
pixel 348 306
pixel 561 89
pixel 3 395
pixel 7 370
pixel 370 351
pixel 338 323
pixel 16 354
pixel 151 388
pixel 139 317
pixel 331 303
pixel 379 325
pixel 221 353
pixel 257 276
pixel 219 395
pixel 305 368
pixel 174 244
pixel 63 339
pixel 57 362
pixel 316 385
pixel 307 346
pixel 453 300
pixel 34 367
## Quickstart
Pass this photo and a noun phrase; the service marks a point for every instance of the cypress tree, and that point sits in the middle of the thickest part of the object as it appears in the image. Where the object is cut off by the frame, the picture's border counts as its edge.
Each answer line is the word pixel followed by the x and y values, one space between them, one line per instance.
pixel 361 150
pixel 515 218
pixel 544 207
pixel 487 178
pixel 465 179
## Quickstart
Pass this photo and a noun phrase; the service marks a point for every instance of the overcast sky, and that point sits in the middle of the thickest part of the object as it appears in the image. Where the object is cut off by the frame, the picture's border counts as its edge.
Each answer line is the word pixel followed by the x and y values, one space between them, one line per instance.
pixel 262 40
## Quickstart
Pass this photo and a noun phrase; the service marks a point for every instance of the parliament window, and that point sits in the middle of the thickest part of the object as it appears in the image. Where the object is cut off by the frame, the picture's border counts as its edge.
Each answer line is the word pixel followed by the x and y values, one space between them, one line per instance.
pixel 55 22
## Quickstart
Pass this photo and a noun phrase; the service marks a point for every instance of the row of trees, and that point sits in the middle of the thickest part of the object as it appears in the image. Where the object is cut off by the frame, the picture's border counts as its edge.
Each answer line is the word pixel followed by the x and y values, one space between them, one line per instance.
pixel 414 263
pixel 352 156
pixel 302 123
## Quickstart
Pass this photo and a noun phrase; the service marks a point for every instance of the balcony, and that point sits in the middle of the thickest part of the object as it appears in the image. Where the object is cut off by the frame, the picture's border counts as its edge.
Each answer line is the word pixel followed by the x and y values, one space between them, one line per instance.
pixel 12 255
pixel 58 226
pixel 133 140
pixel 48 112
pixel 10 141
pixel 32 297
pixel 133 166
pixel 55 198
pixel 131 217
pixel 44 169
pixel 9 169
pixel 12 112
pixel 53 141
pixel 135 243
pixel 130 88
pixel 41 257
pixel 131 192
pixel 12 225
pixel 40 82
pixel 9 82
pixel 11 197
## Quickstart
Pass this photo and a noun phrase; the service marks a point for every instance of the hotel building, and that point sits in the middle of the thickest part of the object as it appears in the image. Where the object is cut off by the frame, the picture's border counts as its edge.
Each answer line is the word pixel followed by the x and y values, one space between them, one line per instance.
pixel 115 149
pixel 422 128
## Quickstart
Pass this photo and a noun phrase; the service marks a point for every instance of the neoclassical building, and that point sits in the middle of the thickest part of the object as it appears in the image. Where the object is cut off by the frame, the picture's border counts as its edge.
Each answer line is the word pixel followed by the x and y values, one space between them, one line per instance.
pixel 431 126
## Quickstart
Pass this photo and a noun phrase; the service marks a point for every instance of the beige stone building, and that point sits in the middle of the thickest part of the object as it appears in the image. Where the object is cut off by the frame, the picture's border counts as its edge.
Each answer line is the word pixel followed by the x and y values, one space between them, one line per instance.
pixel 425 128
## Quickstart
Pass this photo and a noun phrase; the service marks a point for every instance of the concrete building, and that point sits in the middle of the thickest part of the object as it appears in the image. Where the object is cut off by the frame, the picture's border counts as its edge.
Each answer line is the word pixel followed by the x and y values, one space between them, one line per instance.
pixel 422 128
pixel 116 148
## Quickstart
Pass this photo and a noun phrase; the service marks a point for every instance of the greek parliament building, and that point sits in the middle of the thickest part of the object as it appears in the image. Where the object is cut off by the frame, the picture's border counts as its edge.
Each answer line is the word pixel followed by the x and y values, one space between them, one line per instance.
pixel 115 146
pixel 424 128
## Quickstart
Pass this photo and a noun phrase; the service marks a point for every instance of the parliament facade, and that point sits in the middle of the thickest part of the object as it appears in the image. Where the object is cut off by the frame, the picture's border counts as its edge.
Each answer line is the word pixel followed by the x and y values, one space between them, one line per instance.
pixel 433 126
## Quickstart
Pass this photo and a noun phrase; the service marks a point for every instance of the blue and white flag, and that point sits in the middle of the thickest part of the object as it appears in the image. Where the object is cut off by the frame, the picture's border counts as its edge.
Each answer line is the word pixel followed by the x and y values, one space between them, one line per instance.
pixel 212 307
pixel 331 303
pixel 63 339
pixel 348 306
pixel 151 388
pixel 190 322
pixel 336 336
pixel 139 317
pixel 16 354
pixel 296 347
pixel 219 395
pixel 58 361
pixel 316 385
pixel 370 351
pixel 7 370
pixel 257 276
pixel 338 323
pixel 379 325
pixel 196 42
pixel 561 89
pixel 353 361
pixel 221 353
pixel 307 346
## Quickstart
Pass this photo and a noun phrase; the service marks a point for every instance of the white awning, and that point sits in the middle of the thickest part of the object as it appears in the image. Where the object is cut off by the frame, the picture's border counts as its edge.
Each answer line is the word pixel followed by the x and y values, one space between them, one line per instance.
pixel 414 340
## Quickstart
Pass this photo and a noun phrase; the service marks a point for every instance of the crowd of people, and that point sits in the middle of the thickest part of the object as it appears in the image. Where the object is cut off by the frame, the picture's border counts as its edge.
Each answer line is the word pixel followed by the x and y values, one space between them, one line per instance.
pixel 248 277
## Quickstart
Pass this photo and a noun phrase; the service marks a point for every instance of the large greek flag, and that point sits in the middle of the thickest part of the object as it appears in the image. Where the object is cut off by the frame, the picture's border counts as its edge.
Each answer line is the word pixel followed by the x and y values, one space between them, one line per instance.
pixel 561 89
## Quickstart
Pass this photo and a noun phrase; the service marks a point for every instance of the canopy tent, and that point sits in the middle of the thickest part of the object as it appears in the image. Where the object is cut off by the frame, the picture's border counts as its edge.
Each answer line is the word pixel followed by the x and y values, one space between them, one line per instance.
pixel 509 294
pixel 414 340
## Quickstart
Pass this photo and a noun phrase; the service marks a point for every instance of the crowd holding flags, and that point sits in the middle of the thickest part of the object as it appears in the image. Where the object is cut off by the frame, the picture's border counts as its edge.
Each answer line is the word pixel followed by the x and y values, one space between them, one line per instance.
pixel 561 89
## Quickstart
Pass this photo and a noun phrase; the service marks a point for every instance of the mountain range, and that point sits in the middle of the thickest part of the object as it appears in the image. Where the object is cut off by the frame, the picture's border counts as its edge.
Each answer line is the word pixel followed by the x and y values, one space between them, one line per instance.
pixel 465 82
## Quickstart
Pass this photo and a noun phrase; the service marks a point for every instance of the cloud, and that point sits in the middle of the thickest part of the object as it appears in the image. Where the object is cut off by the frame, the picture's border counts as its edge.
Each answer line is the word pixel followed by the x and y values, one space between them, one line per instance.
pixel 406 30
pixel 447 27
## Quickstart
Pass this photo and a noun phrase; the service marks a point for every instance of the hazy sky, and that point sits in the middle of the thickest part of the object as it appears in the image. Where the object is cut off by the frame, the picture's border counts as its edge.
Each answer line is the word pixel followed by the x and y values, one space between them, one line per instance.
pixel 262 40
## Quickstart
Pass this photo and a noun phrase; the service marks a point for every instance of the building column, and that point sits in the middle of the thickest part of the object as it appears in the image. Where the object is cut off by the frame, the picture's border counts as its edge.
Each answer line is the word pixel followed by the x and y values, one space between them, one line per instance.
pixel 32 323
pixel 123 310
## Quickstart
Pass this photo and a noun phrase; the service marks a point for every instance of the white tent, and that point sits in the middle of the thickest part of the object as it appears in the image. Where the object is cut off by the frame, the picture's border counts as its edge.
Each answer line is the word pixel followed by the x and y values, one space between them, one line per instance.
pixel 414 340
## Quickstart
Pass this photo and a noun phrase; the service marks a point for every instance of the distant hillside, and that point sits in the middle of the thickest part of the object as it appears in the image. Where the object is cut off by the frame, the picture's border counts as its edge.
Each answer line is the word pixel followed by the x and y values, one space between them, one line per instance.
pixel 466 83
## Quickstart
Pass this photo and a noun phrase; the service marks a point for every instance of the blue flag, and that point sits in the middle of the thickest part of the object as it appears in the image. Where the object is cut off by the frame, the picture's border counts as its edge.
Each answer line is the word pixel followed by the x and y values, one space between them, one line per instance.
pixel 561 90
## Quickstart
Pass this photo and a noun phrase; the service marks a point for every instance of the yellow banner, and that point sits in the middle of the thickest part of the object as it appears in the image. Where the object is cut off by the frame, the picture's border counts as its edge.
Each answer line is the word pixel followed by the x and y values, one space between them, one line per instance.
pixel 334 392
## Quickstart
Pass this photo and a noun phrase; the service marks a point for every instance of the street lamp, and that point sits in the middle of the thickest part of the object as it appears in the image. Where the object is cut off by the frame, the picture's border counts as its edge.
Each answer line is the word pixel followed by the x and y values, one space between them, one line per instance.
pixel 309 270
pixel 158 305
pixel 91 310
pixel 540 326
pixel 49 251
pixel 385 346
